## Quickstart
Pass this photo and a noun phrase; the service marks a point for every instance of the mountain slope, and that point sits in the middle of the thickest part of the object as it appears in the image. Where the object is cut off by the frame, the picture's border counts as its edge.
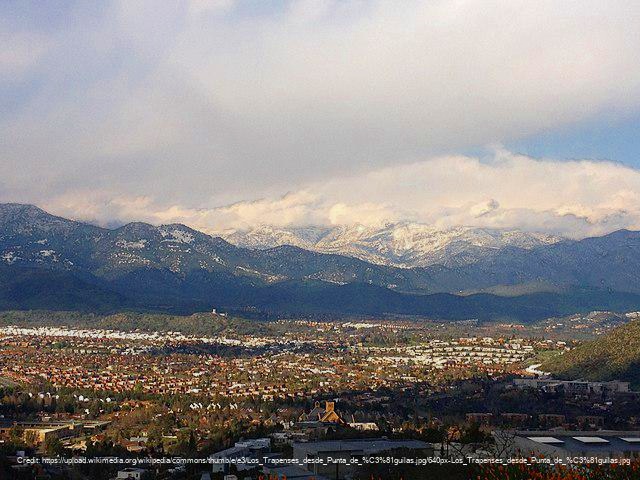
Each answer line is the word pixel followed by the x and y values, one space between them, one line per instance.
pixel 360 299
pixel 401 244
pixel 29 288
pixel 36 289
pixel 609 262
pixel 30 236
pixel 614 356
pixel 472 260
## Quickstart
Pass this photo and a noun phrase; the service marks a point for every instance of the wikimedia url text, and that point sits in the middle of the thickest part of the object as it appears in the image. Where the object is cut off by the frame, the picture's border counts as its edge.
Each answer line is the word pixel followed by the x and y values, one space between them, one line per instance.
pixel 354 461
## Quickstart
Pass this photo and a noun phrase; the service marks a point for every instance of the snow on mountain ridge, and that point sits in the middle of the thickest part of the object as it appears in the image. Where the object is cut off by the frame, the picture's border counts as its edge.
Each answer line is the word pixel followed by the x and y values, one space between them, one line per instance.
pixel 400 244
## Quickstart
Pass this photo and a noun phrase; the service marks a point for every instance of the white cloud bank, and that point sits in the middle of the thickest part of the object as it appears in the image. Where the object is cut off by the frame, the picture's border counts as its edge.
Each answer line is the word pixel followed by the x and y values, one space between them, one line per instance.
pixel 573 198
pixel 128 110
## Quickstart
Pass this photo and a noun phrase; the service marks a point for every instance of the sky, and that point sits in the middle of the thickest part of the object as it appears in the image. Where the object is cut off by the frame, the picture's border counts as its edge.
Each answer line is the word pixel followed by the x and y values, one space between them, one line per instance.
pixel 227 114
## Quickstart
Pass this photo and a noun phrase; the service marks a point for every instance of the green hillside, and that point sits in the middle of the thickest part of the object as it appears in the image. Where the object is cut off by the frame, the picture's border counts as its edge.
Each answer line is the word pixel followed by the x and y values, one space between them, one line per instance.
pixel 615 355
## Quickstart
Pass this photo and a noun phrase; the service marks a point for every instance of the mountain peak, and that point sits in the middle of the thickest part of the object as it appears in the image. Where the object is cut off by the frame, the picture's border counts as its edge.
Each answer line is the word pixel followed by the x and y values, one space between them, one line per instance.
pixel 624 233
pixel 20 209
pixel 17 218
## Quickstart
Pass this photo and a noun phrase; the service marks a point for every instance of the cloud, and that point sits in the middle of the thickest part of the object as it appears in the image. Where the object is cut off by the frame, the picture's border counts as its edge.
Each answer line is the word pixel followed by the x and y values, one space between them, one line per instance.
pixel 291 208
pixel 226 113
pixel 573 198
pixel 214 102
pixel 484 208
pixel 203 7
pixel 21 52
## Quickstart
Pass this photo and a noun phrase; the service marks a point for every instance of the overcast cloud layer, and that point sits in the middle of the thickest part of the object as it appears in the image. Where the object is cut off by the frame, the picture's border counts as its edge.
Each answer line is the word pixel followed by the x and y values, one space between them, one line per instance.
pixel 209 112
pixel 572 198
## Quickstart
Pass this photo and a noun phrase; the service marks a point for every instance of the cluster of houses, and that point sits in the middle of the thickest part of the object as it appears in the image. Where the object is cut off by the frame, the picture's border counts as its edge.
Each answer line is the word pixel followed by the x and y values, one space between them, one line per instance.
pixel 440 354
pixel 94 362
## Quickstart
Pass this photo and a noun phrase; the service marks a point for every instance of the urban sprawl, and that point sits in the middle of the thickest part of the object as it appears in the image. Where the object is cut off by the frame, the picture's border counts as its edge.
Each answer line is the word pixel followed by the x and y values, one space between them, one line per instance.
pixel 267 404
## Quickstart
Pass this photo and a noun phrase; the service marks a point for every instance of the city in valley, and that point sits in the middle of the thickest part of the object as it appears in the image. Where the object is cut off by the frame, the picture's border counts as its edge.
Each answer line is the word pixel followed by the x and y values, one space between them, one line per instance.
pixel 319 240
pixel 262 398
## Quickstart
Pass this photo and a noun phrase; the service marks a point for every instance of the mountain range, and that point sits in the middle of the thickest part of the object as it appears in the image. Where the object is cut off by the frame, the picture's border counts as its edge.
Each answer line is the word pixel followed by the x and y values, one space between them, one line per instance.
pixel 403 244
pixel 48 262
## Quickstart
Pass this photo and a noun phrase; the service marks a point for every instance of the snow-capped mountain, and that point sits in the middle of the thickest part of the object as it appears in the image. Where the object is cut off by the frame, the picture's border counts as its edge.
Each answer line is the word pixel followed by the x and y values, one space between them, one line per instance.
pixel 400 244
pixel 48 262
pixel 31 237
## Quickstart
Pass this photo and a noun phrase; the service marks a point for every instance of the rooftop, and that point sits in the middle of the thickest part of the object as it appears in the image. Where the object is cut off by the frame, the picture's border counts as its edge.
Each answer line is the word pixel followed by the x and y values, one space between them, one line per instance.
pixel 597 441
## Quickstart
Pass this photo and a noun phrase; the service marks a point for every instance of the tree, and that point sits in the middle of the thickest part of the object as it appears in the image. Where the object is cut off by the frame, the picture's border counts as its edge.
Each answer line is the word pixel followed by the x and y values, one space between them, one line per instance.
pixel 186 444
pixel 16 434
pixel 504 443
pixel 30 438
pixel 154 436
pixel 53 446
